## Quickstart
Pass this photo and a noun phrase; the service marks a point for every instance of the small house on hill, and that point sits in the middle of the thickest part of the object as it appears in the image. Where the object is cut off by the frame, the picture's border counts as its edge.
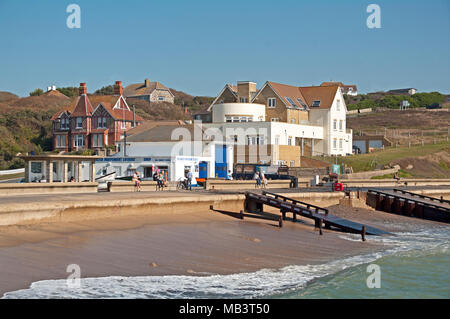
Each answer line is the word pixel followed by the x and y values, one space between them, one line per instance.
pixel 149 91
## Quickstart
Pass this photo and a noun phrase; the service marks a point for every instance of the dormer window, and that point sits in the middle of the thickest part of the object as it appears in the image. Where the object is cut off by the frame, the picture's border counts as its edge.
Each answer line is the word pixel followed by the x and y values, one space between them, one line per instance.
pixel 243 99
pixel 316 103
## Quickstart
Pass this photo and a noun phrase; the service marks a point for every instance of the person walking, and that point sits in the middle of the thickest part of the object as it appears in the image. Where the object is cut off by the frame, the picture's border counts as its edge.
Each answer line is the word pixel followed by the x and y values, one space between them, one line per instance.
pixel 161 180
pixel 258 179
pixel 230 175
pixel 135 180
pixel 263 179
pixel 189 179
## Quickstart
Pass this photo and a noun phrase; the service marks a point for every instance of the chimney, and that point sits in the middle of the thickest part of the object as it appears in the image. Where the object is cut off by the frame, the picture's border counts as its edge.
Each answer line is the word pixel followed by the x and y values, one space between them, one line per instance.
pixel 246 90
pixel 147 83
pixel 83 89
pixel 118 89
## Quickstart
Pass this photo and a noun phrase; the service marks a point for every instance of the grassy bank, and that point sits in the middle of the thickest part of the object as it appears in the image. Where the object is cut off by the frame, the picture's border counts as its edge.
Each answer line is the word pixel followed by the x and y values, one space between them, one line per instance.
pixel 379 158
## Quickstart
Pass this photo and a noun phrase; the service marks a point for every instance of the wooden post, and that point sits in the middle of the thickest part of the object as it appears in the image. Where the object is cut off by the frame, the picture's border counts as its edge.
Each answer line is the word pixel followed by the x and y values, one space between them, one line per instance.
pixel 283 213
pixel 280 222
pixel 363 233
pixel 294 217
pixel 320 226
pixel 241 214
pixel 211 207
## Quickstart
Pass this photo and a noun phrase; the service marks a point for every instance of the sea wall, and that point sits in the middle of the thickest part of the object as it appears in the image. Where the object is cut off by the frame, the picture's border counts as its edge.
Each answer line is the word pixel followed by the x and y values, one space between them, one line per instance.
pixel 79 210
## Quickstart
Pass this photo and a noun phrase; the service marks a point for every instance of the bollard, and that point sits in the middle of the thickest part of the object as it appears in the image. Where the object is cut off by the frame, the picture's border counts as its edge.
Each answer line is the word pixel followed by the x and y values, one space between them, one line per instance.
pixel 442 199
pixel 363 233
pixel 241 214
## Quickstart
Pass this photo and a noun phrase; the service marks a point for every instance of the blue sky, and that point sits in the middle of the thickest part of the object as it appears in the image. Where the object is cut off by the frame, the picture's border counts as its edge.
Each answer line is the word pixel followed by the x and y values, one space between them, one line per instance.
pixel 197 46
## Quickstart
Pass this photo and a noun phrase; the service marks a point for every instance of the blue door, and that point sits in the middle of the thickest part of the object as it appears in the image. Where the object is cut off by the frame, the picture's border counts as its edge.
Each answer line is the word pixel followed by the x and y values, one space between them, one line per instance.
pixel 221 161
pixel 203 171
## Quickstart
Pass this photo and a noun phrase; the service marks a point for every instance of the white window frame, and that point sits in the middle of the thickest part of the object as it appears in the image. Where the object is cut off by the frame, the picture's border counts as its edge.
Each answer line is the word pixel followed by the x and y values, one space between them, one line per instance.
pixel 161 98
pixel 335 143
pixel 341 125
pixel 79 120
pixel 271 102
pixel 77 140
pixel 341 144
pixel 338 105
pixel 274 119
pixel 335 125
pixel 123 124
pixel 289 141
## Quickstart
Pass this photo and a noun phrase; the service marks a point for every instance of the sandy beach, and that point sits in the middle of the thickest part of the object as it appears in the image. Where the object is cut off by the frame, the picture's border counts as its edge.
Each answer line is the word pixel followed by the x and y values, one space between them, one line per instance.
pixel 202 243
pixel 179 242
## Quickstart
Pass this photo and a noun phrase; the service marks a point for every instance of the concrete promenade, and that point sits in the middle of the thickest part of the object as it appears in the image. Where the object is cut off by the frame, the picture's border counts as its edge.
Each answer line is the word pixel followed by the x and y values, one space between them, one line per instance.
pixel 26 209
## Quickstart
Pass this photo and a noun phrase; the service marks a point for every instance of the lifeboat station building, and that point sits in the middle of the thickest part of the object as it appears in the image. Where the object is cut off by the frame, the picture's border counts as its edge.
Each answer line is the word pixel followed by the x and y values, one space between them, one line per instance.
pixel 171 149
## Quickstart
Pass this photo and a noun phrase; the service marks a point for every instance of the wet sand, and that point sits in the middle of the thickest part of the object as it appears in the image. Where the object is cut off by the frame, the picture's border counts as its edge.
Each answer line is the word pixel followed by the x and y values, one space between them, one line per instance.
pixel 198 243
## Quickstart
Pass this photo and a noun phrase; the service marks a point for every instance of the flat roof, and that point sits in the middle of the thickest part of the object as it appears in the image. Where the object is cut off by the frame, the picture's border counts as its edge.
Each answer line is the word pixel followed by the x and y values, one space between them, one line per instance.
pixel 59 157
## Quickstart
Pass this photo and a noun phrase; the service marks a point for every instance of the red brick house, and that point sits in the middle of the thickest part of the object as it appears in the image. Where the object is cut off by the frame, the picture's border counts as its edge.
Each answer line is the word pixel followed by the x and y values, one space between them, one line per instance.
pixel 93 122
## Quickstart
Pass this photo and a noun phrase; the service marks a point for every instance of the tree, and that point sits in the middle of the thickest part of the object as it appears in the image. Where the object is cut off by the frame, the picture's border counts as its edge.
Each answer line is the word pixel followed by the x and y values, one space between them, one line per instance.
pixel 69 91
pixel 106 90
pixel 37 92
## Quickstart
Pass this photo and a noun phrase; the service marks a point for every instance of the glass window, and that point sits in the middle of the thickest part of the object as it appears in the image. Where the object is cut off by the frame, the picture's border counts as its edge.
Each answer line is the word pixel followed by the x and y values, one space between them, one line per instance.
pixel 79 122
pixel 160 98
pixel 271 102
pixel 36 167
pixel 334 143
pixel 79 140
pixel 340 144
pixel 338 105
pixel 334 124
pixel 340 125
pixel 316 103
pixel 290 101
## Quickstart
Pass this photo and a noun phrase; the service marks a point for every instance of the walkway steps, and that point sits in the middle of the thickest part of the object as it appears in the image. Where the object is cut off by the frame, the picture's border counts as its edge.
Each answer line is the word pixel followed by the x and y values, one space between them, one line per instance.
pixel 254 204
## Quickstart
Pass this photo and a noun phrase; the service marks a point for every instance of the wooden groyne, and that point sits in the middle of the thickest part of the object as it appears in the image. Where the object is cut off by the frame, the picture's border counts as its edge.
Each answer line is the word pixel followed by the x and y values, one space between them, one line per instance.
pixel 410 204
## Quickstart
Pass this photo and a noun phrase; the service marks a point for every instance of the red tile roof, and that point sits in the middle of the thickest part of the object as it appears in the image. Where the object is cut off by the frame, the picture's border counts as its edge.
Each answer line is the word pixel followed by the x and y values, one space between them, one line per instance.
pixel 290 91
pixel 85 105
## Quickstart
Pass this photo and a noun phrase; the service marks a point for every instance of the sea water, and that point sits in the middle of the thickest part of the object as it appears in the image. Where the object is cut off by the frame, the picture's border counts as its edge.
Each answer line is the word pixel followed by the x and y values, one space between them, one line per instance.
pixel 412 265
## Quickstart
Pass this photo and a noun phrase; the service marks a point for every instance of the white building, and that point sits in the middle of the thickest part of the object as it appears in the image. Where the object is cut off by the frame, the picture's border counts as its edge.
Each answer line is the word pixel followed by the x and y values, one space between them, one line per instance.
pixel 172 149
pixel 292 121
